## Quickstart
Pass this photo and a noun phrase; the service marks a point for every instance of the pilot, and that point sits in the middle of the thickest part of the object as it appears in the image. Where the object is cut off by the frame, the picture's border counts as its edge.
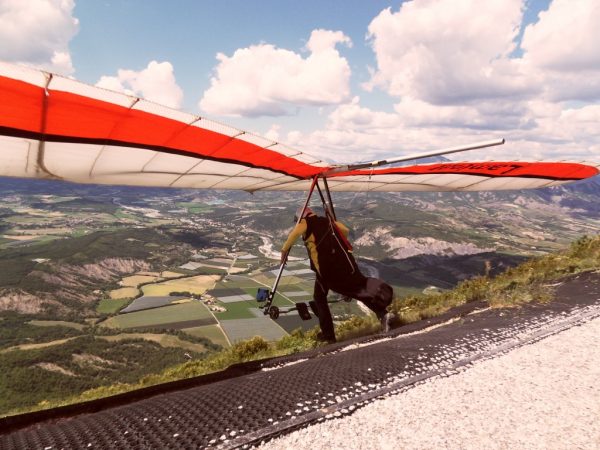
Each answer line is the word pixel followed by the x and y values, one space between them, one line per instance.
pixel 333 263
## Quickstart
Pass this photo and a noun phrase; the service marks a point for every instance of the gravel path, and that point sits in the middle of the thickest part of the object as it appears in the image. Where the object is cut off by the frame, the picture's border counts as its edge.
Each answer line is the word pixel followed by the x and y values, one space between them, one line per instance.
pixel 541 396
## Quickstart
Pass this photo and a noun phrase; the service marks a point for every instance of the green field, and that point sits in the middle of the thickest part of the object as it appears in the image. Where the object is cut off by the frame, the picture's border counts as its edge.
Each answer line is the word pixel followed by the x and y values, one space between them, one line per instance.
pixel 237 310
pixel 54 323
pixel 160 316
pixel 79 232
pixel 164 340
pixel 282 301
pixel 240 329
pixel 111 306
pixel 122 215
pixel 211 332
pixel 195 208
pixel 235 283
pixel 279 299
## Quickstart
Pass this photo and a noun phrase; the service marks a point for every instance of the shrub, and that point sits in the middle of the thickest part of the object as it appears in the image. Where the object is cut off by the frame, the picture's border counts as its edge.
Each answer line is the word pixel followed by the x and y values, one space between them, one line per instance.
pixel 297 341
pixel 246 349
pixel 357 326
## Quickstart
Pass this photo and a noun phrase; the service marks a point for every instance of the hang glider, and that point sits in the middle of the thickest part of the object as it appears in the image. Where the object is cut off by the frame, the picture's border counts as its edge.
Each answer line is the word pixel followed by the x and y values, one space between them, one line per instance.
pixel 54 127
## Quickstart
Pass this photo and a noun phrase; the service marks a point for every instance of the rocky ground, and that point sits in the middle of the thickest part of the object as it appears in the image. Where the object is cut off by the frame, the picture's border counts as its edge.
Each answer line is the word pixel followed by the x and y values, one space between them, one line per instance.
pixel 539 396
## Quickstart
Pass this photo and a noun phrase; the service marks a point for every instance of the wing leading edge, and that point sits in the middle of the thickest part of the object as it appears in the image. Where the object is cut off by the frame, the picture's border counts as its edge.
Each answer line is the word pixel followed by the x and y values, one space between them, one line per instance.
pixel 57 128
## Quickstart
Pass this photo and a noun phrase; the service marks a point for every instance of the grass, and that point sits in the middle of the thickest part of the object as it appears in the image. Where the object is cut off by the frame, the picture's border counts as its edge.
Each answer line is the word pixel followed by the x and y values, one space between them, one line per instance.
pixel 525 283
pixel 522 284
pixel 159 316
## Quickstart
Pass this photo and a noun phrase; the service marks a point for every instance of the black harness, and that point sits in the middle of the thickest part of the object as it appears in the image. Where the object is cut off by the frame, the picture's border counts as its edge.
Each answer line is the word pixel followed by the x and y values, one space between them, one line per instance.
pixel 335 261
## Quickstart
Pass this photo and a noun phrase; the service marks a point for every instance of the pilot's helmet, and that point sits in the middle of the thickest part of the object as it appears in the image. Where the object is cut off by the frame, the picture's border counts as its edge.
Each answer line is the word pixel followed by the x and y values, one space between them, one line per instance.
pixel 307 212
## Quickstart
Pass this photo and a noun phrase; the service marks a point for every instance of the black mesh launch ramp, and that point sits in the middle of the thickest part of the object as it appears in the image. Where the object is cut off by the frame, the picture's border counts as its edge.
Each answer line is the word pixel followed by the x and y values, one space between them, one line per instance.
pixel 290 393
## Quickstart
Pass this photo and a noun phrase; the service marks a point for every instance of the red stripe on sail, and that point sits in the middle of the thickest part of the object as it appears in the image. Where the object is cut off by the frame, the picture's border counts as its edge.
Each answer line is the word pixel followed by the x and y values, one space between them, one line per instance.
pixel 550 170
pixel 75 117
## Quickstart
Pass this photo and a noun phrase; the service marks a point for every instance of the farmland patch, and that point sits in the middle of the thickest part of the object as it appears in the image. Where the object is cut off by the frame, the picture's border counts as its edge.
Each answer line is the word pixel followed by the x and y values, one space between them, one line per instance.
pixel 236 298
pixel 295 294
pixel 292 321
pixel 241 329
pixel 136 280
pixel 148 302
pixel 126 292
pixel 195 285
pixel 164 340
pixel 170 274
pixel 225 292
pixel 173 316
pixel 53 323
pixel 212 332
pixel 236 310
pixel 110 306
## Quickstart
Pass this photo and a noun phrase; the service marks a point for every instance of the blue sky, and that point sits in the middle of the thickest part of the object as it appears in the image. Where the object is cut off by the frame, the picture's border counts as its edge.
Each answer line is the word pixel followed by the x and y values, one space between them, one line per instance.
pixel 189 34
pixel 129 33
pixel 350 78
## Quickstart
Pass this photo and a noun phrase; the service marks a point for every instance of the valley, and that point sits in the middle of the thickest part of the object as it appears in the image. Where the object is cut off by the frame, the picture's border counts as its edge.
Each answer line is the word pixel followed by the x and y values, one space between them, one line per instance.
pixel 90 275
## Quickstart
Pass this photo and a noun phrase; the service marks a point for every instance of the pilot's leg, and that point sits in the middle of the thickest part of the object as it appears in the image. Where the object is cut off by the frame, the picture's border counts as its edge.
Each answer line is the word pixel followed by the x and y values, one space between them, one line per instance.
pixel 374 293
pixel 325 320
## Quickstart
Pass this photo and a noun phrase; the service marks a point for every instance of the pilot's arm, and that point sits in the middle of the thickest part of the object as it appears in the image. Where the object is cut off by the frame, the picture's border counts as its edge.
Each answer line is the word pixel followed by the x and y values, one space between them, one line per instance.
pixel 296 232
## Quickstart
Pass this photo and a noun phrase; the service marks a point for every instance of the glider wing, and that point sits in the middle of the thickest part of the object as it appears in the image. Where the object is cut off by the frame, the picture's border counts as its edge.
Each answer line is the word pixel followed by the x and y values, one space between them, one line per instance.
pixel 54 127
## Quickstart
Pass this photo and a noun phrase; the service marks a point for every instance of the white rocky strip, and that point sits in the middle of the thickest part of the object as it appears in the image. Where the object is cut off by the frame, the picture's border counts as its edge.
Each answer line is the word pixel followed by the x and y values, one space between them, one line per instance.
pixel 539 396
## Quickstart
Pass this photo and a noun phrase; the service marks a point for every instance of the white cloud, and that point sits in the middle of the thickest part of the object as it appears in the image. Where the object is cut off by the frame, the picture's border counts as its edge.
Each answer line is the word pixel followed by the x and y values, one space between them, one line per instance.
pixel 155 83
pixel 444 52
pixel 452 68
pixel 356 133
pixel 486 114
pixel 325 40
pixel 37 33
pixel 566 36
pixel 562 48
pixel 266 80
pixel 352 115
pixel 448 52
pixel 273 133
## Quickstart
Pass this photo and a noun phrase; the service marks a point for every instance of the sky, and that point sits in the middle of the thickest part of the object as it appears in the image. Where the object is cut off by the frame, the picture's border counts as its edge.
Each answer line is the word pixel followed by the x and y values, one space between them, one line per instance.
pixel 348 80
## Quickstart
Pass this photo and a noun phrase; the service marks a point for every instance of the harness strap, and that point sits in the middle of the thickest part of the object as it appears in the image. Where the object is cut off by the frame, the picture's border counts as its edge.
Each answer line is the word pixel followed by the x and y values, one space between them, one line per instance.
pixel 338 232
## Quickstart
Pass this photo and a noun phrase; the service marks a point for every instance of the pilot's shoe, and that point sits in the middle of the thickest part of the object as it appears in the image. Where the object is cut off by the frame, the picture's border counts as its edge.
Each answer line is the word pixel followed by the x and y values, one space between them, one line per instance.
pixel 386 321
pixel 325 338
